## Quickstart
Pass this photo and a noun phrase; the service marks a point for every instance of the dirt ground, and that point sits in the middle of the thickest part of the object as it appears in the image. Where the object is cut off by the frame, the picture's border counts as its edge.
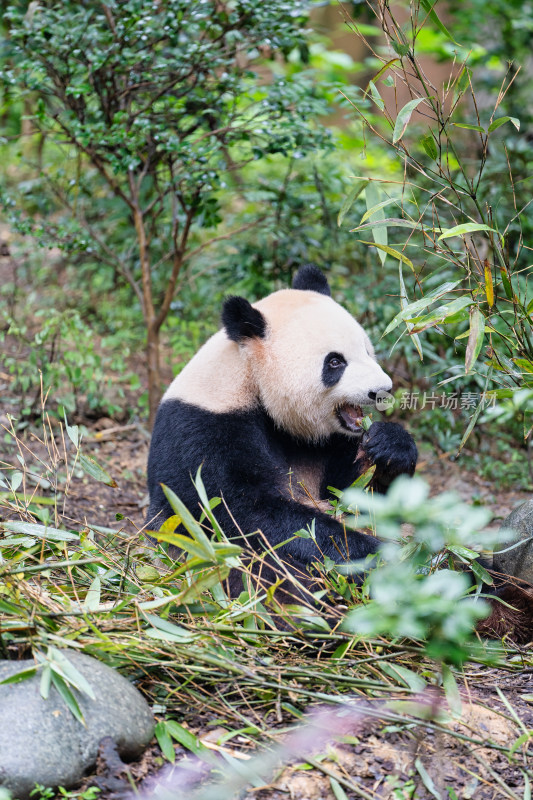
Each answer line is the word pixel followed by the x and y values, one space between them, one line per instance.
pixel 374 759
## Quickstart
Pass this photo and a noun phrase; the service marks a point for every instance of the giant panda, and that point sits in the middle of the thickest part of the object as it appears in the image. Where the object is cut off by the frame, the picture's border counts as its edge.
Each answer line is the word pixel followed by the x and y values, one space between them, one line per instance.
pixel 271 409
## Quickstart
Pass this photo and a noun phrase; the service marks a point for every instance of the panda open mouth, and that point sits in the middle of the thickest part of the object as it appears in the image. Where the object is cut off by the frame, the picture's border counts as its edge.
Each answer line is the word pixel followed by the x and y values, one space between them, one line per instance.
pixel 350 417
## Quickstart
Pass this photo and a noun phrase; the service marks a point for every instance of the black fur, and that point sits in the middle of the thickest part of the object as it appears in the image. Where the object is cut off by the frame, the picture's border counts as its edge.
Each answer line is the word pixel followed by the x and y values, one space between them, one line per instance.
pixel 241 320
pixel 246 459
pixel 391 449
pixel 333 368
pixel 310 278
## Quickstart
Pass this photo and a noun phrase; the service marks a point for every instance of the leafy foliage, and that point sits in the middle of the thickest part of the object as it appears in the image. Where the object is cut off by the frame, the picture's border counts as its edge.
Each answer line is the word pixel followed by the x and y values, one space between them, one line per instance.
pixel 466 237
pixel 442 528
pixel 148 107
pixel 60 357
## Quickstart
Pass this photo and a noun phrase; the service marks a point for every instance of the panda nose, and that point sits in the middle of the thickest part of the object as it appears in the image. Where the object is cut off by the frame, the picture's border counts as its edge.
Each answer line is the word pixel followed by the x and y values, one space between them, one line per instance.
pixel 381 392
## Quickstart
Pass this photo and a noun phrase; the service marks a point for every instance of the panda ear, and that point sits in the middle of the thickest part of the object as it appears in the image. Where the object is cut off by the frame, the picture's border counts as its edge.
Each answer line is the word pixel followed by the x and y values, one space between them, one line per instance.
pixel 241 320
pixel 310 278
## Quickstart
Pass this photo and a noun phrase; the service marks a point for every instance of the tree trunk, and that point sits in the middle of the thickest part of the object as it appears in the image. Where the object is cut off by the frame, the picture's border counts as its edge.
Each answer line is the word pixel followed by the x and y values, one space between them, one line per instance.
pixel 154 374
pixel 152 324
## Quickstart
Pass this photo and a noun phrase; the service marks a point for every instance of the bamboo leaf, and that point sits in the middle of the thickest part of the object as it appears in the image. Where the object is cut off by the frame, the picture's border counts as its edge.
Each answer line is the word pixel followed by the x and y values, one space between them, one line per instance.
pixel 520 741
pixel 480 572
pixel 402 120
pixel 388 222
pixel 62 666
pixel 462 552
pixel 384 68
pixel 523 364
pixel 186 543
pixel 430 146
pixel 189 740
pixel 93 468
pixel 337 789
pixel 23 675
pixel 405 676
pixel 350 199
pixel 469 429
pixel 35 500
pixel 40 531
pixel 73 432
pixel 67 696
pixel 364 478
pixel 475 337
pixel 427 780
pixel 189 522
pixel 167 630
pixel 400 48
pixel 207 504
pixel 506 284
pixel 46 681
pixel 92 598
pixel 202 582
pixel 489 285
pixel 392 252
pixel 463 82
pixel 469 127
pixel 451 690
pixel 169 627
pixel 441 314
pixel 410 310
pixel 465 228
pixel 368 213
pixel 376 97
pixel 495 124
pixel 403 304
pixel 8 608
pixel 170 524
pixel 429 6
pixel 227 549
pixel 380 235
pixel 527 786
pixel 164 741
pixel 147 574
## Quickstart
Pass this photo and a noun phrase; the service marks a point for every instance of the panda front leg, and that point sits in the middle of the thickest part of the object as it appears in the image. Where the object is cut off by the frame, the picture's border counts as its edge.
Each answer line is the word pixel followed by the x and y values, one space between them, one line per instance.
pixel 391 449
pixel 280 518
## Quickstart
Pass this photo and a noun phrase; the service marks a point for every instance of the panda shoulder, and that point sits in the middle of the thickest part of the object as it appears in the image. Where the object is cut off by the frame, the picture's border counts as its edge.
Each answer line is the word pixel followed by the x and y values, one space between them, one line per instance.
pixel 216 379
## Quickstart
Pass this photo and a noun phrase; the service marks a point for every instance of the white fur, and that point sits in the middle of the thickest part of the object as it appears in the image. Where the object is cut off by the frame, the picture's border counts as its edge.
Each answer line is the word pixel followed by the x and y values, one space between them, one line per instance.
pixel 283 370
pixel 218 378
pixel 304 327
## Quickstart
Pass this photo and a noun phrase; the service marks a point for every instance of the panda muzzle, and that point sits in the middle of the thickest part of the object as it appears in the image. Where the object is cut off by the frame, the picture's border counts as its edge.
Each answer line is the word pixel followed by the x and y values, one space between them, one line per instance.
pixel 350 417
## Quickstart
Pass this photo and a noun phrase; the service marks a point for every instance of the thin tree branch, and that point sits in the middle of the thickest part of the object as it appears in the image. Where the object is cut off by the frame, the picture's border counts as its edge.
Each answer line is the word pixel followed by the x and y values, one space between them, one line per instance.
pixel 223 236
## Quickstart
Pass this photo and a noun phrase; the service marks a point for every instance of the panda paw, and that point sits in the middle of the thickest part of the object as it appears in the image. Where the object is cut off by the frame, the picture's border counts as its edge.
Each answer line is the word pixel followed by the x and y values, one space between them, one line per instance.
pixel 391 449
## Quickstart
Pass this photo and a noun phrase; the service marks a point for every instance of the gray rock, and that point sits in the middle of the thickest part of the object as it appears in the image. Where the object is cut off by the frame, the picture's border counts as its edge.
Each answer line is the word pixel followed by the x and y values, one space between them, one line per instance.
pixel 518 561
pixel 42 742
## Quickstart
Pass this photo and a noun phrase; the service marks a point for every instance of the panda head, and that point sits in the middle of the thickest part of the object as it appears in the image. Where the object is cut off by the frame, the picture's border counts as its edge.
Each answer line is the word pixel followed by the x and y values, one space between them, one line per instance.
pixel 312 365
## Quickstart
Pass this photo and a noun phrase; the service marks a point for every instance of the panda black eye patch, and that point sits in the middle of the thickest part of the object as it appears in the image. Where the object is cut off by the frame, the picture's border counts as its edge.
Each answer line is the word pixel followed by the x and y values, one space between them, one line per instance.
pixel 333 368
